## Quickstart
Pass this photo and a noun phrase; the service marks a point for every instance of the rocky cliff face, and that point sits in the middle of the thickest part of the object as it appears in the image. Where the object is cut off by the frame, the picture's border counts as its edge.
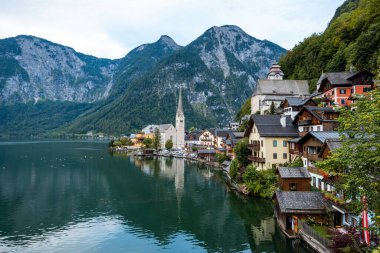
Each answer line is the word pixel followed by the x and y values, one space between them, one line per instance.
pixel 41 70
pixel 217 73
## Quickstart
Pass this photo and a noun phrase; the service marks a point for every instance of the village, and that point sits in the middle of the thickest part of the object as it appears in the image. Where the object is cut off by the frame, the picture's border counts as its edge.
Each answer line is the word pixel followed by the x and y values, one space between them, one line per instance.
pixel 289 131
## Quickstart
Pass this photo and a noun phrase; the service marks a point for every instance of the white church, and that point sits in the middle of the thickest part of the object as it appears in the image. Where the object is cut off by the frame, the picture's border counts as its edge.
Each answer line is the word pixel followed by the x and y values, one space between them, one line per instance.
pixel 168 131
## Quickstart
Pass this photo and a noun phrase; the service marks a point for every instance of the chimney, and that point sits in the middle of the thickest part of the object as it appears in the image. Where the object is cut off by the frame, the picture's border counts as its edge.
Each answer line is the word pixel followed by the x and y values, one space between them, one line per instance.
pixel 283 120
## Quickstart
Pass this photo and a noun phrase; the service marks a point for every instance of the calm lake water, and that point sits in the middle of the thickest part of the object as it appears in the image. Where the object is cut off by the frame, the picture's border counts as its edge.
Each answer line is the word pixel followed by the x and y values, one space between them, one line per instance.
pixel 77 197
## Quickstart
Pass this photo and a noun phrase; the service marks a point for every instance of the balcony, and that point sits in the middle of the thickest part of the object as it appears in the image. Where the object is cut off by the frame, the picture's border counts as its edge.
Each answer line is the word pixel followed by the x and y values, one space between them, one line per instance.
pixel 294 151
pixel 304 122
pixel 255 146
pixel 206 139
pixel 256 159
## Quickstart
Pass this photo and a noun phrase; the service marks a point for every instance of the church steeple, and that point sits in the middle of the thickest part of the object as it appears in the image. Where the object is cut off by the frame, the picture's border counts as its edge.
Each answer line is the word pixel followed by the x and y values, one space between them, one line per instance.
pixel 180 123
pixel 179 108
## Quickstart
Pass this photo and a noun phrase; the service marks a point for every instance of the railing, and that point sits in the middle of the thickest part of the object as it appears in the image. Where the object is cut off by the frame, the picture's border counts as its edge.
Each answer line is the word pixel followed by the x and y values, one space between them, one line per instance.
pixel 255 147
pixel 304 122
pixel 206 139
pixel 309 231
pixel 256 159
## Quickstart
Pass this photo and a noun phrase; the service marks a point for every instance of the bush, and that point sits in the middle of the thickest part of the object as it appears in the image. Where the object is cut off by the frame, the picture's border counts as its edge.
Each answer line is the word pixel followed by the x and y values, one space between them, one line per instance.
pixel 260 183
pixel 220 158
pixel 296 163
pixel 242 152
pixel 234 168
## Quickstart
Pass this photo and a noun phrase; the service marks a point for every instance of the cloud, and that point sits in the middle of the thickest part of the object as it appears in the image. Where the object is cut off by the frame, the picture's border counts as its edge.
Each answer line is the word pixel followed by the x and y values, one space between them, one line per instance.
pixel 112 28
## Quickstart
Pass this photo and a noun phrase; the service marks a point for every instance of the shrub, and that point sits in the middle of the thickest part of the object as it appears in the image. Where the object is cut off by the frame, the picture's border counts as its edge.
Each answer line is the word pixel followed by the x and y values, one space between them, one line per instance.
pixel 234 168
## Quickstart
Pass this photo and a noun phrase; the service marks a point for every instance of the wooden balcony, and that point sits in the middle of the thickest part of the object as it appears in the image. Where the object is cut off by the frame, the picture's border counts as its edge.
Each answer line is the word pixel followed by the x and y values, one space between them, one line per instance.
pixel 256 159
pixel 255 147
pixel 294 151
pixel 304 122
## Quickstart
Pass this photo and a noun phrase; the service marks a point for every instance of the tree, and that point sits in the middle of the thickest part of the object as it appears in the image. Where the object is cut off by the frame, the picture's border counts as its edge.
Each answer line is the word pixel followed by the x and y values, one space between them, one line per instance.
pixel 296 163
pixel 147 142
pixel 156 139
pixel 272 109
pixel 357 161
pixel 260 182
pixel 169 144
pixel 192 129
pixel 242 152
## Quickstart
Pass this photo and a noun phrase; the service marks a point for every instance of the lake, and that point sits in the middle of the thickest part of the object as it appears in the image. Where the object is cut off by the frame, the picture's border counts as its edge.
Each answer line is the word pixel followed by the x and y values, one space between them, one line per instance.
pixel 78 197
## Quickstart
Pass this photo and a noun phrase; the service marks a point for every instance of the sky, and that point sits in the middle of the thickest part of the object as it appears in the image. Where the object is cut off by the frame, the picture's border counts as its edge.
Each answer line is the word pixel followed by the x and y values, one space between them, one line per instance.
pixel 111 28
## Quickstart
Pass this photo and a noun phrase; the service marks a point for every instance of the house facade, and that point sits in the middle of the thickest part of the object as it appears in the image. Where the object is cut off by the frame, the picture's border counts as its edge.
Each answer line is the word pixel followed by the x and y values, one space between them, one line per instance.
pixel 314 118
pixel 293 179
pixel 267 137
pixel 340 88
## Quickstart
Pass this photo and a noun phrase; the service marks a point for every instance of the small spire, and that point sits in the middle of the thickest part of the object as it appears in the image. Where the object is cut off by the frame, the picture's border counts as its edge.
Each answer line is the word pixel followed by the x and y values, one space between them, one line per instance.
pixel 179 108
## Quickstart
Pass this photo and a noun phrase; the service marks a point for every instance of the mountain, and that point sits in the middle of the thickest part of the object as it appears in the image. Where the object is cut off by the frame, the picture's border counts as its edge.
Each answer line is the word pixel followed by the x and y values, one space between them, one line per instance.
pixel 352 38
pixel 217 73
pixel 33 69
pixel 41 80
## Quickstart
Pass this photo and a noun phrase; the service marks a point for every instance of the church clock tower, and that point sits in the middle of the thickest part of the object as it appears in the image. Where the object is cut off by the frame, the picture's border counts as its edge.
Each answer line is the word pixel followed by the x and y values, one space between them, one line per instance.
pixel 180 123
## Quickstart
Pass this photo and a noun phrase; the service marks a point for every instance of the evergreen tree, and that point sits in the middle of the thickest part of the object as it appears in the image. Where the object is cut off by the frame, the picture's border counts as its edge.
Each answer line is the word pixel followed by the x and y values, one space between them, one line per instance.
pixel 156 139
pixel 169 144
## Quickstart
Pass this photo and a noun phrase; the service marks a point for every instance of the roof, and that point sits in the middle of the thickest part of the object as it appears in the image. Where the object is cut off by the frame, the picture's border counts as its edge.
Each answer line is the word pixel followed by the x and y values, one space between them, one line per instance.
pixel 297 101
pixel 295 172
pixel 222 132
pixel 206 151
pixel 300 202
pixel 320 136
pixel 164 127
pixel 282 87
pixel 270 126
pixel 315 110
pixel 295 140
pixel 333 144
pixel 194 135
pixel 340 78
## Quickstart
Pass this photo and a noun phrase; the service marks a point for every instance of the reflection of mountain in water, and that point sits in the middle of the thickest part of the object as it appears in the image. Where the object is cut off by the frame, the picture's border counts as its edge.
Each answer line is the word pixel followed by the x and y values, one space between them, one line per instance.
pixel 51 187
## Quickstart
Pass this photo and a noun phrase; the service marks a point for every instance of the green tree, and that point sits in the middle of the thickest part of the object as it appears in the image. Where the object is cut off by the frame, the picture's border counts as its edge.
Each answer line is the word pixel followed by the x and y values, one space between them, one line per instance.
pixel 260 182
pixel 297 163
pixel 192 129
pixel 156 139
pixel 272 109
pixel 169 144
pixel 357 161
pixel 220 158
pixel 242 152
pixel 147 142
pixel 234 168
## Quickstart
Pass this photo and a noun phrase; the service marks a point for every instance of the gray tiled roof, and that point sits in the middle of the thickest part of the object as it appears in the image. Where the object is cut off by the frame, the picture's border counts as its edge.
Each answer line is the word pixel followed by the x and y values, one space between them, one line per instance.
pixel 269 125
pixel 336 77
pixel 297 101
pixel 300 202
pixel 295 172
pixel 206 151
pixel 162 128
pixel 333 143
pixel 222 132
pixel 282 87
pixel 322 136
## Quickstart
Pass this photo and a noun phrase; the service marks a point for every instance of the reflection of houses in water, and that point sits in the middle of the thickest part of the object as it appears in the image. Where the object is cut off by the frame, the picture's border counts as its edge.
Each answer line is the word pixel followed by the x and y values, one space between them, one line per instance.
pixel 265 232
pixel 168 168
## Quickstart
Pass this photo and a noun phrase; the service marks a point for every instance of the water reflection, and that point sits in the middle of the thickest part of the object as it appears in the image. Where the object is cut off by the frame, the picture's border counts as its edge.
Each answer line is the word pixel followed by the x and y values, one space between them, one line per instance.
pixel 76 197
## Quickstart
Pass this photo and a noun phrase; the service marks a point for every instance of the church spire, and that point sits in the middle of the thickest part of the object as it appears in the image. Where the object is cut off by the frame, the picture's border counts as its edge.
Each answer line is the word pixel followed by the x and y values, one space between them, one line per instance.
pixel 179 108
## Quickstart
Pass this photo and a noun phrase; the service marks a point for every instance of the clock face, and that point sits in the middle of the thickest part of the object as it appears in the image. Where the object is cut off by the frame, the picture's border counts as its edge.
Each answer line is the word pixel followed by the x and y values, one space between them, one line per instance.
pixel 277 75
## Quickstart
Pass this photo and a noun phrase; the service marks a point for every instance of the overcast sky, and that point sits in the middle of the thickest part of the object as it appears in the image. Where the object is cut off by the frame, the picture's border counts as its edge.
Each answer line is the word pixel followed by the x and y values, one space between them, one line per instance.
pixel 111 28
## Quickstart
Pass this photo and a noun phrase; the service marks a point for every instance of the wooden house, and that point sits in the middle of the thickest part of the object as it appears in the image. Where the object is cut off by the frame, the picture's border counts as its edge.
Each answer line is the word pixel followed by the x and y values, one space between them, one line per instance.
pixel 291 205
pixel 338 88
pixel 293 179
pixel 231 140
pixel 292 105
pixel 314 118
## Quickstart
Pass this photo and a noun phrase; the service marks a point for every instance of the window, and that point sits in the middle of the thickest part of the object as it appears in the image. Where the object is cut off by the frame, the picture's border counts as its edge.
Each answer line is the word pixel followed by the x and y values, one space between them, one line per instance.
pixel 366 89
pixel 293 186
pixel 342 91
pixel 262 143
pixel 285 156
pixel 284 143
pixel 319 183
pixel 318 128
pixel 274 155
pixel 275 143
pixel 314 181
pixel 342 101
pixel 332 93
pixel 254 130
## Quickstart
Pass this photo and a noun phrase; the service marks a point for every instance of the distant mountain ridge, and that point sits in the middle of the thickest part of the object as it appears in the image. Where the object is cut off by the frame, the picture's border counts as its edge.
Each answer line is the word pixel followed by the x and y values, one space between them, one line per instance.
pixel 217 72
